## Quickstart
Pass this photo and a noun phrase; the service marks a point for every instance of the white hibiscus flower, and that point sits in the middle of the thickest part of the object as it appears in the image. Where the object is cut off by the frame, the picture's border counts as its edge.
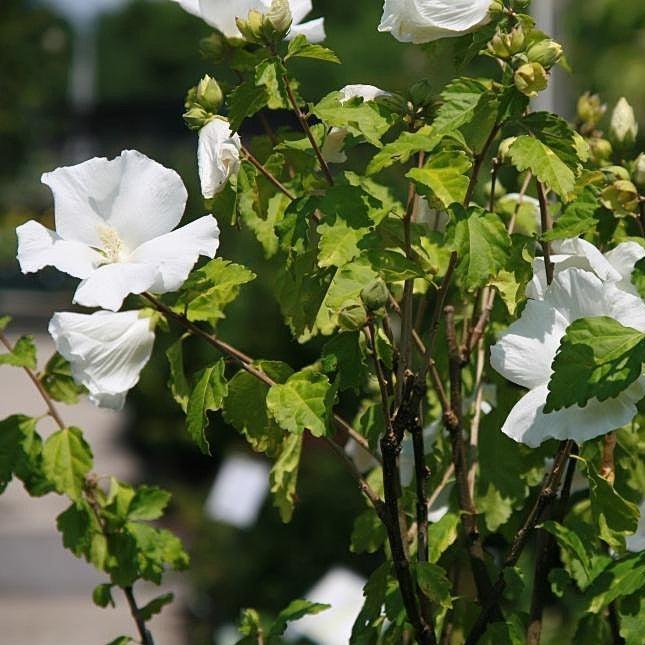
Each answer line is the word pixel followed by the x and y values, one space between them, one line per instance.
pixel 421 21
pixel 114 230
pixel 525 353
pixel 106 350
pixel 615 266
pixel 332 149
pixel 218 156
pixel 221 15
pixel 636 543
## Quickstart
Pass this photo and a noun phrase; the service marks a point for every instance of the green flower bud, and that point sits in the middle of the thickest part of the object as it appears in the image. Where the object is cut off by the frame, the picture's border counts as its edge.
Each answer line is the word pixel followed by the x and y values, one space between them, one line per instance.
pixel 600 149
pixel 196 117
pixel 623 128
pixel 506 45
pixel 251 27
pixel 503 152
pixel 590 109
pixel 496 8
pixel 352 318
pixel 269 28
pixel 209 94
pixel 616 172
pixel 621 197
pixel 280 18
pixel 639 170
pixel 375 295
pixel 545 52
pixel 531 79
pixel 421 93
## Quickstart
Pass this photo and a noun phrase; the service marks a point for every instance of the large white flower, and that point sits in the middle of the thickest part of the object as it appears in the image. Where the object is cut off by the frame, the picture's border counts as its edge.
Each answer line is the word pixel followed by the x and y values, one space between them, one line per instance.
pixel 218 156
pixel 106 350
pixel 114 230
pixel 421 21
pixel 221 15
pixel 614 266
pixel 525 353
pixel 332 149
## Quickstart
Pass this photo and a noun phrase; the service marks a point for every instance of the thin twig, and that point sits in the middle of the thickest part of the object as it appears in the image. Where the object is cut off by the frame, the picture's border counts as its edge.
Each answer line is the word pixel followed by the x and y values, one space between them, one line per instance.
pixel 607 465
pixel 146 636
pixel 547 225
pixel 267 173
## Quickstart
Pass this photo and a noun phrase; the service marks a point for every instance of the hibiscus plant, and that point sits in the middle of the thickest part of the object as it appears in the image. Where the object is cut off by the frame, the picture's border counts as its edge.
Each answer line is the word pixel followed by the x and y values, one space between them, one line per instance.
pixel 475 283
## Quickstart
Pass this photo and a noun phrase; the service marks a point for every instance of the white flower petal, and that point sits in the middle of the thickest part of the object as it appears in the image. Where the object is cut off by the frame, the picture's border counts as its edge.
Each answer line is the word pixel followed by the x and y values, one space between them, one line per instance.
pixel 626 308
pixel 623 259
pixel 174 254
pixel 421 21
pixel 525 352
pixel 366 92
pixel 313 30
pixel 39 247
pixel 191 6
pixel 332 149
pixel 109 285
pixel 300 9
pixel 218 156
pixel 528 424
pixel 107 351
pixel 636 542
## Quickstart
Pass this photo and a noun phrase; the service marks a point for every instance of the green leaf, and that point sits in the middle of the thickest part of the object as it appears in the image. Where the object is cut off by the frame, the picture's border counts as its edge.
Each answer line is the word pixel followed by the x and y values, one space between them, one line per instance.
pixel 284 476
pixel 244 101
pixel 67 459
pixel 207 396
pixel 367 627
pixel 58 381
pixel 638 277
pixel 614 516
pixel 246 410
pixel 270 75
pixel 360 118
pixel 434 583
pixel 15 434
pixel 368 534
pixel 122 640
pixel 102 595
pixel 483 245
pixel 632 619
pixel 556 134
pixel 578 217
pixel 209 290
pixel 441 535
pixel 148 503
pixel 578 558
pixel 304 402
pixel 295 611
pixel 393 266
pixel 461 98
pixel 178 383
pixel 426 139
pixel 342 355
pixel 22 355
pixel 4 322
pixel 299 47
pixel 76 526
pixel 620 578
pixel 349 215
pixel 598 358
pixel 155 606
pixel 443 177
pixel 529 153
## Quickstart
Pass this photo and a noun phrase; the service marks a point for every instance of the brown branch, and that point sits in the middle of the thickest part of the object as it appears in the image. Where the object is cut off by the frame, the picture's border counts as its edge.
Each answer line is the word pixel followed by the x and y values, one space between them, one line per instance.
pixel 146 636
pixel 547 225
pixel 607 465
pixel 302 119
pixel 267 173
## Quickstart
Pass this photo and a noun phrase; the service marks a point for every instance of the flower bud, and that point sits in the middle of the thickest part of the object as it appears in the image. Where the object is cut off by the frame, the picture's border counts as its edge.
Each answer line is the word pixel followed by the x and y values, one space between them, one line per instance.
pixel 623 128
pixel 531 79
pixel 616 172
pixel 621 197
pixel 600 149
pixel 590 110
pixel 375 295
pixel 639 170
pixel 269 28
pixel 251 27
pixel 280 18
pixel 196 117
pixel 421 93
pixel 503 152
pixel 209 94
pixel 352 318
pixel 545 52
pixel 496 8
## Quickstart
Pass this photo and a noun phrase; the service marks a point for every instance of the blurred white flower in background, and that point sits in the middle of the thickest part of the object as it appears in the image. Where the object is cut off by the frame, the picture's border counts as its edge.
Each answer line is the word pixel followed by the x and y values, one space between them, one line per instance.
pixel 218 156
pixel 114 230
pixel 421 21
pixel 524 355
pixel 106 351
pixel 221 15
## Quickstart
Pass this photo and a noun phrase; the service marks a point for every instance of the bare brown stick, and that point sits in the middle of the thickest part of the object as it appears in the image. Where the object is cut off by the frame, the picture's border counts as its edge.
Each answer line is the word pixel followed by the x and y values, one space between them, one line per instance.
pixel 267 173
pixel 146 636
pixel 607 465
pixel 547 225
pixel 302 119
pixel 51 408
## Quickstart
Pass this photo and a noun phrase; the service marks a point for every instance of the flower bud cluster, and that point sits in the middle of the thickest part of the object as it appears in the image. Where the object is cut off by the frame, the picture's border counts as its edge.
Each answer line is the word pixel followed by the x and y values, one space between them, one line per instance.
pixel 266 28
pixel 202 103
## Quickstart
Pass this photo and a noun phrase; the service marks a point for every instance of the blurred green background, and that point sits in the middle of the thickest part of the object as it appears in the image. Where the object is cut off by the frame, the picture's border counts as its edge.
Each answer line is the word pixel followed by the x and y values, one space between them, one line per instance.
pixel 138 60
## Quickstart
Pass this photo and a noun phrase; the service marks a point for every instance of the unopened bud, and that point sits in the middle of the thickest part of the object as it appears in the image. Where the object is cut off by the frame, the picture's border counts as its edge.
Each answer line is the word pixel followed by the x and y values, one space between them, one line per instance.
pixel 209 94
pixel 504 150
pixel 506 45
pixel 531 79
pixel 600 149
pixel 590 109
pixel 196 117
pixel 496 7
pixel 545 52
pixel 280 17
pixel 639 170
pixel 375 295
pixel 352 318
pixel 616 172
pixel 421 93
pixel 269 28
pixel 621 197
pixel 623 128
